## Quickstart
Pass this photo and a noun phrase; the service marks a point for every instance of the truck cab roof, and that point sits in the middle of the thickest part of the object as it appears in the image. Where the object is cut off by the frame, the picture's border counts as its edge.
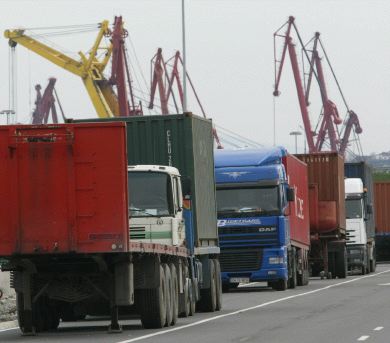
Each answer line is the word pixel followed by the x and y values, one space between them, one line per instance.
pixel 353 186
pixel 154 168
pixel 250 165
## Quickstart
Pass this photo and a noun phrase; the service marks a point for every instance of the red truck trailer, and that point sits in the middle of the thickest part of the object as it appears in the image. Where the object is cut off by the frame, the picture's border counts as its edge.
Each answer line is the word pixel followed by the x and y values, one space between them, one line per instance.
pixel 328 255
pixel 382 220
pixel 65 233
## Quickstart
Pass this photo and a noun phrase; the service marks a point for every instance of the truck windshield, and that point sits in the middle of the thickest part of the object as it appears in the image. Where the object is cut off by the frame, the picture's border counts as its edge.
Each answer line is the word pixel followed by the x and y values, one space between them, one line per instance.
pixel 245 202
pixel 353 208
pixel 150 194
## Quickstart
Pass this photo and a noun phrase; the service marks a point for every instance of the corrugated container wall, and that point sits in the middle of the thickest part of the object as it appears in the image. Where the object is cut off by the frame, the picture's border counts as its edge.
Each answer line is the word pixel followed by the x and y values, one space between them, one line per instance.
pixel 363 171
pixel 60 186
pixel 297 178
pixel 326 181
pixel 382 207
pixel 185 142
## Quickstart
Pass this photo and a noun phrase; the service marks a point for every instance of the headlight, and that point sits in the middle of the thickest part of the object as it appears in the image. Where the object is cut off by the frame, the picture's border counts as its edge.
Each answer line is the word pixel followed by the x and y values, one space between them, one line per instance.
pixel 275 260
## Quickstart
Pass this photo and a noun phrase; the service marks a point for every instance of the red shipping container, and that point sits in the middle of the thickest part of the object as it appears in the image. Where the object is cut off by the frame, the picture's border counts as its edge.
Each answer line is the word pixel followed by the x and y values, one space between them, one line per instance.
pixel 382 207
pixel 327 193
pixel 63 189
pixel 299 209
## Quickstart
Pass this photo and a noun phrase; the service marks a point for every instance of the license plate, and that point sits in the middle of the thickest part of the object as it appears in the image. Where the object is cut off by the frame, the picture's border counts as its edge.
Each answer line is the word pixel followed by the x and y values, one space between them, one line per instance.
pixel 239 280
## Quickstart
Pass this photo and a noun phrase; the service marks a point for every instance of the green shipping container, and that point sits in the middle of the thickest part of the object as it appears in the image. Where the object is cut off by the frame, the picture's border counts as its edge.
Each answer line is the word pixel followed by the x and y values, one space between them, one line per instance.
pixel 183 141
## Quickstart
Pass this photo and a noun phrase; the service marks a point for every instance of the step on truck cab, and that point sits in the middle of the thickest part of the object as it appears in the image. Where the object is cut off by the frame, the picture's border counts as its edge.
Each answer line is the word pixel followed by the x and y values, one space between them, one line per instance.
pixel 360 217
pixel 263 223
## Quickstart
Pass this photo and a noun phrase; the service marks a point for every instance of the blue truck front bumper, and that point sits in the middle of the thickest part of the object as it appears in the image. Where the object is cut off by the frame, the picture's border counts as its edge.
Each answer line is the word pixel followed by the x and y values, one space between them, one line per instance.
pixel 265 270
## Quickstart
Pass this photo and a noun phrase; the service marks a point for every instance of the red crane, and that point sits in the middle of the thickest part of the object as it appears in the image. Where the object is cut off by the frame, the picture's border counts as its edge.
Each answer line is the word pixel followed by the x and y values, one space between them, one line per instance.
pixel 330 111
pixel 120 74
pixel 45 104
pixel 158 72
pixel 288 45
pixel 160 78
pixel 330 115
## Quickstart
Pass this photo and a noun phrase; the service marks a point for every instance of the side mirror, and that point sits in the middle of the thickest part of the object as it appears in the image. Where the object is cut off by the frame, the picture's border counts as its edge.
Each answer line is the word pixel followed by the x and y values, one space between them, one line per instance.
pixel 290 194
pixel 369 208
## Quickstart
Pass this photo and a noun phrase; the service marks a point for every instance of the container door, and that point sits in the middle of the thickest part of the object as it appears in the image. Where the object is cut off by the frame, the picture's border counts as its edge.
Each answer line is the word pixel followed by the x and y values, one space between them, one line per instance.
pixel 42 163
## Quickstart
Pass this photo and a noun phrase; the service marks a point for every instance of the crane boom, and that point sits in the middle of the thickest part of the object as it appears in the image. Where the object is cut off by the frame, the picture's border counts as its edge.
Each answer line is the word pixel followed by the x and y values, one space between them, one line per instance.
pixel 288 45
pixel 89 68
pixel 353 121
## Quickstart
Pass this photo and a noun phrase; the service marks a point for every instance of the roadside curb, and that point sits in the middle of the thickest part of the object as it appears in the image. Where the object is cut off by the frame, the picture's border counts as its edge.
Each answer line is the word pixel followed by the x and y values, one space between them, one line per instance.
pixel 9 325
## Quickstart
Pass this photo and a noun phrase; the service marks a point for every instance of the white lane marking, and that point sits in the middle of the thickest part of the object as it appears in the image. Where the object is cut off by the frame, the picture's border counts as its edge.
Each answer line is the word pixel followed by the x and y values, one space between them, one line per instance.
pixel 363 338
pixel 384 284
pixel 379 328
pixel 159 333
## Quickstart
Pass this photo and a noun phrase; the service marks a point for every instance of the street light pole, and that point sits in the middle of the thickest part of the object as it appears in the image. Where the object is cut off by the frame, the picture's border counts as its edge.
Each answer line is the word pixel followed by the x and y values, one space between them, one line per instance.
pixel 296 134
pixel 184 56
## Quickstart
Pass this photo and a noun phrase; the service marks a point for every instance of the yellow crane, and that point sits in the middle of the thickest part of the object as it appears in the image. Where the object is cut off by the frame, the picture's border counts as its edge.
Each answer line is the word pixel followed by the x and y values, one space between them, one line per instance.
pixel 89 67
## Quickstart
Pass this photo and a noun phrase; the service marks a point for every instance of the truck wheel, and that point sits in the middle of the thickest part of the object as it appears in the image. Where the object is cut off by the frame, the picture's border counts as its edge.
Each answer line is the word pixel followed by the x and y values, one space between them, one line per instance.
pixel 21 314
pixel 372 266
pixel 292 282
pixel 175 294
pixel 153 305
pixel 219 285
pixel 341 263
pixel 306 277
pixel 279 285
pixel 192 297
pixel 208 298
pixel 168 295
pixel 184 298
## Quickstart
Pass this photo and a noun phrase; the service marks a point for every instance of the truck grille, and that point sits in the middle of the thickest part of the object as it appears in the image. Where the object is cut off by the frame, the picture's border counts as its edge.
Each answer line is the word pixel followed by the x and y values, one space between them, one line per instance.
pixel 236 260
pixel 137 232
pixel 242 236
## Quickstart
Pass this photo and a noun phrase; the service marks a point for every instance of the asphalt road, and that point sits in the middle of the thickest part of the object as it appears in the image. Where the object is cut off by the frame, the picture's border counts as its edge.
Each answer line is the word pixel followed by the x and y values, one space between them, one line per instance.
pixel 350 310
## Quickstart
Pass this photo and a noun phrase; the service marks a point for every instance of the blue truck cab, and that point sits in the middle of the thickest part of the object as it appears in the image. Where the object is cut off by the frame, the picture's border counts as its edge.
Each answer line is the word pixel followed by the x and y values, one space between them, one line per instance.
pixel 253 196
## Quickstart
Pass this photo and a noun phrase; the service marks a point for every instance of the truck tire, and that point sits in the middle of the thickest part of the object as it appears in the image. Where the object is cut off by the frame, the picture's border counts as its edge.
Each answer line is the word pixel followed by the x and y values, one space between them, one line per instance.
pixel 219 285
pixel 306 277
pixel 208 296
pixel 175 294
pixel 279 285
pixel 372 266
pixel 303 279
pixel 44 315
pixel 153 305
pixel 292 281
pixel 184 299
pixel 341 262
pixel 168 294
pixel 192 297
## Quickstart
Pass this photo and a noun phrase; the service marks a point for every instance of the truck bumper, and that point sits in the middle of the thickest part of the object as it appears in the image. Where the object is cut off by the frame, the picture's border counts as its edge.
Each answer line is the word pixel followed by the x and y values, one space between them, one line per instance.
pixel 256 276
pixel 266 272
pixel 356 255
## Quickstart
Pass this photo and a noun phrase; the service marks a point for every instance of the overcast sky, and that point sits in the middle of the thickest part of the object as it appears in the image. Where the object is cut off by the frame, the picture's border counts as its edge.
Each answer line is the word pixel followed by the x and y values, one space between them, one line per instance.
pixel 230 57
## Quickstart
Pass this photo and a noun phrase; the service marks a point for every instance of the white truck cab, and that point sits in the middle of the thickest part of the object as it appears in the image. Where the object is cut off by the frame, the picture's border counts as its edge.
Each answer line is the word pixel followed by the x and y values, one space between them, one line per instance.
pixel 356 215
pixel 156 205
